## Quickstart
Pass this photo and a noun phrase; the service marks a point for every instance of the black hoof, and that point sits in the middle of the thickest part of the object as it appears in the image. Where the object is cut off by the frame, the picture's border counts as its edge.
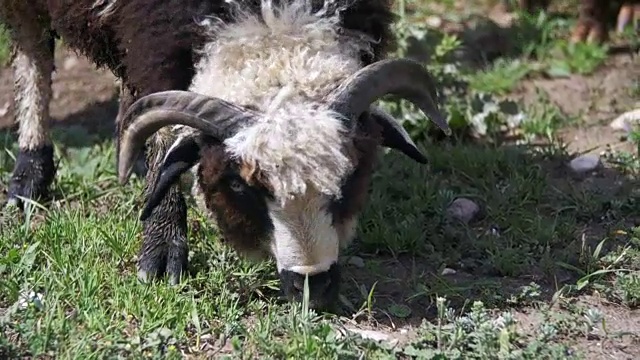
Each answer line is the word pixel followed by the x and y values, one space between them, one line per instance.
pixel 32 175
pixel 169 261
pixel 163 255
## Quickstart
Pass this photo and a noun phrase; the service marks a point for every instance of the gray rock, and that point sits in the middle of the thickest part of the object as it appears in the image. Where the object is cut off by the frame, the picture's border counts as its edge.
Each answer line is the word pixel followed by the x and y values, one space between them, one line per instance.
pixel 463 209
pixel 448 271
pixel 70 62
pixel 585 163
pixel 626 121
pixel 356 261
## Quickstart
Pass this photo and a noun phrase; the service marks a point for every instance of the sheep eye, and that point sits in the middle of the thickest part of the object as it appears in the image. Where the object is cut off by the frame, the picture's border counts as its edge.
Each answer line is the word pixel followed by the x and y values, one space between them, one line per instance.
pixel 236 185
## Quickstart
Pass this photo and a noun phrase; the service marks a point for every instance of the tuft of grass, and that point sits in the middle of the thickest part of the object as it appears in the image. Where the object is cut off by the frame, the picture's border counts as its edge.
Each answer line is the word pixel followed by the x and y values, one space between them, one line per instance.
pixel 5 46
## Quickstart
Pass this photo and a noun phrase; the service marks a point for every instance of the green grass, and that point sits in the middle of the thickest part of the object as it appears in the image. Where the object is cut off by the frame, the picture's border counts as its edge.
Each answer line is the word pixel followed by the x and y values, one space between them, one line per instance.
pixel 79 256
pixel 549 268
pixel 4 46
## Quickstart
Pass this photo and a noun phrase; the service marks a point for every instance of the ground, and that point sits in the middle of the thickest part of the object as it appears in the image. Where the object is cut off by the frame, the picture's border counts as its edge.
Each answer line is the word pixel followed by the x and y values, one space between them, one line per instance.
pixel 548 267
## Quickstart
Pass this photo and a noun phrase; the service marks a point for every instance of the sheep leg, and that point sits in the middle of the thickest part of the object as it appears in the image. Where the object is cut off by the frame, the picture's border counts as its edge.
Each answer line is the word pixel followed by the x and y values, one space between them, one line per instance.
pixel 629 12
pixel 164 245
pixel 592 22
pixel 33 63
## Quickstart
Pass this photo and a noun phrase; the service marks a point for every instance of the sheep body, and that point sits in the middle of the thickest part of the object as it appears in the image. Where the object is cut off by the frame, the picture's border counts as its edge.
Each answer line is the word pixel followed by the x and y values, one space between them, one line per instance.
pixel 279 125
pixel 152 46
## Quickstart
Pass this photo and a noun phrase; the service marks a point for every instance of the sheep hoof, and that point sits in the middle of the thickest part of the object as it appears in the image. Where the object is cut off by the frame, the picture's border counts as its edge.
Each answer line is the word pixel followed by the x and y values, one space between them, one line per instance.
pixel 158 259
pixel 32 174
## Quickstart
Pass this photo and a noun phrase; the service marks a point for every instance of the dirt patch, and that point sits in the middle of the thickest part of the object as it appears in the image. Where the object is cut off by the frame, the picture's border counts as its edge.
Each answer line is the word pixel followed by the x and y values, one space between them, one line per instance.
pixel 619 338
pixel 82 94
pixel 594 101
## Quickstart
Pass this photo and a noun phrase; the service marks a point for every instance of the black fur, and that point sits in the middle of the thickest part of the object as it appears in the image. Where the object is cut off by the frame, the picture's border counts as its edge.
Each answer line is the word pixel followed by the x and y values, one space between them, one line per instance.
pixel 324 287
pixel 179 160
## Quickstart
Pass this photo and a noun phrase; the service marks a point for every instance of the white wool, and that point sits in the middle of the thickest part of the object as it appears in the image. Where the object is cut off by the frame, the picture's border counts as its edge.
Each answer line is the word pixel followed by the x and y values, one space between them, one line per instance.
pixel 284 63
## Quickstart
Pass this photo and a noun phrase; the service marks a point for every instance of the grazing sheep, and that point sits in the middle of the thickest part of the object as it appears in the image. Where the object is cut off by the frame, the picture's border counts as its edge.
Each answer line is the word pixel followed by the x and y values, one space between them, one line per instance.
pixel 270 100
pixel 594 16
pixel 278 128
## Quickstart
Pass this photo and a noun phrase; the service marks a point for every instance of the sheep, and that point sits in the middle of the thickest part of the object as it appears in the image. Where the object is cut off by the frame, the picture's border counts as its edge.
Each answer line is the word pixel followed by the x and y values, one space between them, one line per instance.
pixel 279 131
pixel 594 15
pixel 293 80
pixel 32 60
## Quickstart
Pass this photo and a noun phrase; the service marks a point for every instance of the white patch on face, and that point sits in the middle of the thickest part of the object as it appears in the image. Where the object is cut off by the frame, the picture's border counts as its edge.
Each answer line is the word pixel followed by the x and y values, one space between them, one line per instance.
pixel 304 240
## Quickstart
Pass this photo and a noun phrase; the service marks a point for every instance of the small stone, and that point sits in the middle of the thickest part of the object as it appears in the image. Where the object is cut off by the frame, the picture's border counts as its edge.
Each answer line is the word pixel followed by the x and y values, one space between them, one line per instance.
pixel 585 163
pixel 626 121
pixel 4 109
pixel 70 62
pixel 356 261
pixel 434 21
pixel 463 209
pixel 448 271
pixel 374 335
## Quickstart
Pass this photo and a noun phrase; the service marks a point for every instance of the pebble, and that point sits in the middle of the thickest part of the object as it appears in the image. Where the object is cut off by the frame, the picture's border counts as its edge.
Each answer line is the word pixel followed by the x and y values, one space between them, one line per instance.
pixel 585 163
pixel 4 109
pixel 356 261
pixel 626 121
pixel 374 335
pixel 70 62
pixel 463 209
pixel 448 271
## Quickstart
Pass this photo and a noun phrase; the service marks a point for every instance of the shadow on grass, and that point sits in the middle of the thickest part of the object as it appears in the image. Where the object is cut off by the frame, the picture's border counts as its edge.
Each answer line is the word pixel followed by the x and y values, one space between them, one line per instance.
pixel 535 217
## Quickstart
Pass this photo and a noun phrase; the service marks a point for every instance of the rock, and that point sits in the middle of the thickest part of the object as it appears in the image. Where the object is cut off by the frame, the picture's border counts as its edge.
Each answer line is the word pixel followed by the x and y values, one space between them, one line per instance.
pixel 4 109
pixel 356 261
pixel 374 335
pixel 448 271
pixel 585 163
pixel 434 21
pixel 70 62
pixel 627 121
pixel 463 209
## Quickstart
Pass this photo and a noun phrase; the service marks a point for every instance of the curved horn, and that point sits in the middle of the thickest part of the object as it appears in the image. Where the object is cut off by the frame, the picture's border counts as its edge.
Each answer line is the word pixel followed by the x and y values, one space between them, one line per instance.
pixel 402 77
pixel 212 116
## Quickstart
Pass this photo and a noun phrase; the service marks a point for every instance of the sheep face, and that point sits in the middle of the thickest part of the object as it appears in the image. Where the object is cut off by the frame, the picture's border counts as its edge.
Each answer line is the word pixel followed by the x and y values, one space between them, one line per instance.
pixel 304 232
pixel 279 119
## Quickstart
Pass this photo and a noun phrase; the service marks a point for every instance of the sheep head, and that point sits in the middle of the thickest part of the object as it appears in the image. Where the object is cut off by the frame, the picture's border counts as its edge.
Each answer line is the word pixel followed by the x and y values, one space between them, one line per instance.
pixel 303 231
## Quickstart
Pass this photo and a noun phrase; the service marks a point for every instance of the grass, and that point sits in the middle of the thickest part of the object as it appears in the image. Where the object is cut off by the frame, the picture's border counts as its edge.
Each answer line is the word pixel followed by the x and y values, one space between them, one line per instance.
pixel 4 46
pixel 549 268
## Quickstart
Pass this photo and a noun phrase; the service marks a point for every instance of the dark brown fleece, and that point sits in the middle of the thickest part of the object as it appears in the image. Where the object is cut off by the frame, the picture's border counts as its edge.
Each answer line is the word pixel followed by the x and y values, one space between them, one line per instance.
pixel 240 208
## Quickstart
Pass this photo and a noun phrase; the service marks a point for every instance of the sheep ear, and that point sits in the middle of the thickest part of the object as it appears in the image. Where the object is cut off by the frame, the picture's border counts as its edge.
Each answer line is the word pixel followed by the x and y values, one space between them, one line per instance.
pixel 182 155
pixel 394 136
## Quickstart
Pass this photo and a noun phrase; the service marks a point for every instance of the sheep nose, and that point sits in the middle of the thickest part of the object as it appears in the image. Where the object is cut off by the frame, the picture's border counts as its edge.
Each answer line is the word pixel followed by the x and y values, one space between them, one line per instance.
pixel 323 287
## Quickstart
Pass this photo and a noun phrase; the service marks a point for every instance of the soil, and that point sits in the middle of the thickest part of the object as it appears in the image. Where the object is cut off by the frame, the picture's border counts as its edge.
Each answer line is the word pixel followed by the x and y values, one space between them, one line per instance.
pixel 85 96
pixel 82 95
